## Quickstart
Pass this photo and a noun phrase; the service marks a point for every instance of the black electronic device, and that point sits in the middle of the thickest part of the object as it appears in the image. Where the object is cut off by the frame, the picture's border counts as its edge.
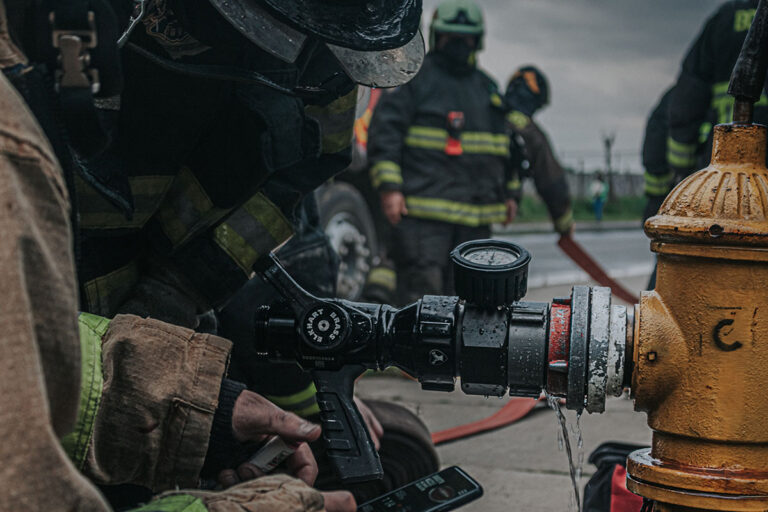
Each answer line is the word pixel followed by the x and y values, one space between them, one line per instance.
pixel 445 490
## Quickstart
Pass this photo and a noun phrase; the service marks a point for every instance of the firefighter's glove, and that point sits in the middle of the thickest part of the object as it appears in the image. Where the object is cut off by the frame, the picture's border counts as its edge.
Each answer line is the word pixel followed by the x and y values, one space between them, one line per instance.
pixel 393 206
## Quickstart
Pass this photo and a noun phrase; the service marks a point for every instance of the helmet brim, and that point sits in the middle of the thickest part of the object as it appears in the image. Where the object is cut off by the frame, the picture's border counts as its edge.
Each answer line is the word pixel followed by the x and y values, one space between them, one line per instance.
pixel 387 68
pixel 262 28
pixel 371 25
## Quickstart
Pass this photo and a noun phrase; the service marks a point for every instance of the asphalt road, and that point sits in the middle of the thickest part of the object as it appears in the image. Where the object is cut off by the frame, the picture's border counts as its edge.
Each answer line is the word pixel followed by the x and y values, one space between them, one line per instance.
pixel 622 253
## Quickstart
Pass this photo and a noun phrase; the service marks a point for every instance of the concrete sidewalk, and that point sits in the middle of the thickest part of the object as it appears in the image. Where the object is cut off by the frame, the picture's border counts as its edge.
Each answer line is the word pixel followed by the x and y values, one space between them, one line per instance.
pixel 519 466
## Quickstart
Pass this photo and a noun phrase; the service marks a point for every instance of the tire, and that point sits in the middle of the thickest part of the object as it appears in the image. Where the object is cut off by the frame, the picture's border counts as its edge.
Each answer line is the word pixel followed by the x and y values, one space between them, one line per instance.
pixel 346 220
pixel 406 454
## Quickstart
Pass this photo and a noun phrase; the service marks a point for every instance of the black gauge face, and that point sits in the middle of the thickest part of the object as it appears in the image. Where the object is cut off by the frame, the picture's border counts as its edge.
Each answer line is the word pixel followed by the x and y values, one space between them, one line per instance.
pixel 490 256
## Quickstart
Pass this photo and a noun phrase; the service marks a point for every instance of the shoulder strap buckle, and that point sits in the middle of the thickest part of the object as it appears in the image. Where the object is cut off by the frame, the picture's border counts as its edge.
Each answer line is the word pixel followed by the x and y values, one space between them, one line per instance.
pixel 74 60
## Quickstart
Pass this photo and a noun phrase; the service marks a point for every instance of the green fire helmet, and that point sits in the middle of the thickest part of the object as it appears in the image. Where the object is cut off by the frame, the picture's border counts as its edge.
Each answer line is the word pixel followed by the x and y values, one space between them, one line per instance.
pixel 377 42
pixel 457 17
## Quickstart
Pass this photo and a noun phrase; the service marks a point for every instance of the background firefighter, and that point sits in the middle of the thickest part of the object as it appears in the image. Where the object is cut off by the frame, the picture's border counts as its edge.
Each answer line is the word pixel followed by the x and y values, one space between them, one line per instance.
pixel 528 92
pixel 439 154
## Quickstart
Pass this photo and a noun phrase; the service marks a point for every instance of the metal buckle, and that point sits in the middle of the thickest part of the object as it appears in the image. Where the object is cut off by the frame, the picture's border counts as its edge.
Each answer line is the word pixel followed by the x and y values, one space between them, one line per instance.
pixel 74 60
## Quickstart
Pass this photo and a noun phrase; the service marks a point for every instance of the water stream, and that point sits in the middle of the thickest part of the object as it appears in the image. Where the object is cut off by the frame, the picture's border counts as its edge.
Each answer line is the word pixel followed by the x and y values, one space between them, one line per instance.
pixel 564 441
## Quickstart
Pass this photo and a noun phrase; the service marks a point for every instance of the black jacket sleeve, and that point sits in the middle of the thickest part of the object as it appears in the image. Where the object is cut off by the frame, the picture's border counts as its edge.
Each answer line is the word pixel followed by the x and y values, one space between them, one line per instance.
pixel 386 137
pixel 548 175
pixel 659 178
pixel 691 98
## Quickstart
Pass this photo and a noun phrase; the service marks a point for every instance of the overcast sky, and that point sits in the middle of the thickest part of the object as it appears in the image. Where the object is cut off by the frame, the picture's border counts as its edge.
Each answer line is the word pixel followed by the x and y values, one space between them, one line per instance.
pixel 608 62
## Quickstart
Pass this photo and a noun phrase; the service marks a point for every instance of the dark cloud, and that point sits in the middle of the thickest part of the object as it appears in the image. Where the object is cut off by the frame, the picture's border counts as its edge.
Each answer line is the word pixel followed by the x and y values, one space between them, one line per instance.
pixel 608 62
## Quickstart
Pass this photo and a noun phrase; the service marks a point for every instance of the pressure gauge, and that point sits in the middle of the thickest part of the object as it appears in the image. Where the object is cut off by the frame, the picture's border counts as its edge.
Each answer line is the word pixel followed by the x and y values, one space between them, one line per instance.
pixel 490 273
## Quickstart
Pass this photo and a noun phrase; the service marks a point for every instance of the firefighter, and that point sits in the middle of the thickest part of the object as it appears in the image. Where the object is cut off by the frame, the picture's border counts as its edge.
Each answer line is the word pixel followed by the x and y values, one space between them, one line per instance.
pixel 527 93
pixel 700 97
pixel 130 400
pixel 228 151
pixel 439 154
pixel 184 403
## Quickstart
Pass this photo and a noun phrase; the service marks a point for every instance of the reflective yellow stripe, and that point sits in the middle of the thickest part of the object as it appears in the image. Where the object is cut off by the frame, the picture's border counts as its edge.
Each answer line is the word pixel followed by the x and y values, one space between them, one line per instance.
pixel 106 293
pixel 92 329
pixel 455 212
pixel 742 19
pixel 337 121
pixel 659 185
pixel 303 403
pixel 386 171
pixel 187 209
pixel 427 137
pixel 174 503
pixel 514 185
pixel 722 102
pixel 252 230
pixel 96 212
pixel 680 154
pixel 518 119
pixel 564 222
pixel 384 277
pixel 495 100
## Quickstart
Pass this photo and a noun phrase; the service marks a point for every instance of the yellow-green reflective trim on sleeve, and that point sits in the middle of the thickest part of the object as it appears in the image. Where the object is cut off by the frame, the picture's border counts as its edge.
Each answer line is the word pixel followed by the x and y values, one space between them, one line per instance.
pixel 518 119
pixel 384 277
pixel 455 212
pixel 252 230
pixel 514 185
pixel 386 171
pixel 564 222
pixel 496 99
pixel 303 403
pixel 92 328
pixel 187 210
pixel 104 294
pixel 174 503
pixel 659 185
pixel 681 154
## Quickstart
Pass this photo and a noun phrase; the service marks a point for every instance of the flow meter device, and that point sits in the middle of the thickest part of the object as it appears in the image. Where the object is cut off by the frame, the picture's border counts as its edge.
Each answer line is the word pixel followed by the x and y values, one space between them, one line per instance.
pixel 574 347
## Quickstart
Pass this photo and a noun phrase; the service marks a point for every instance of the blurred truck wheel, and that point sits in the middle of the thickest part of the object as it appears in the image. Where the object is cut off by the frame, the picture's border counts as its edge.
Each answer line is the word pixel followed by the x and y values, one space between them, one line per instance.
pixel 346 220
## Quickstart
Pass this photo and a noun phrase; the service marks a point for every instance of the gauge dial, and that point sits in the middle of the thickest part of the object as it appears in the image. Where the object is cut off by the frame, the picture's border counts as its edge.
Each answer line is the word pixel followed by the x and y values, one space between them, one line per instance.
pixel 490 273
pixel 491 256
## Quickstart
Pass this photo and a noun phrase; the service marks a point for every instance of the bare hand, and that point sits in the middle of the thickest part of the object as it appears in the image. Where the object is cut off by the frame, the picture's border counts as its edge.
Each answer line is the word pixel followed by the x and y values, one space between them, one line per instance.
pixel 393 206
pixel 254 419
pixel 374 426
pixel 339 501
pixel 511 211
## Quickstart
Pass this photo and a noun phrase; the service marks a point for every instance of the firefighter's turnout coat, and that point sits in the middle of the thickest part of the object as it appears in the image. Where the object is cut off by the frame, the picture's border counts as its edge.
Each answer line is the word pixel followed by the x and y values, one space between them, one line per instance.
pixel 449 170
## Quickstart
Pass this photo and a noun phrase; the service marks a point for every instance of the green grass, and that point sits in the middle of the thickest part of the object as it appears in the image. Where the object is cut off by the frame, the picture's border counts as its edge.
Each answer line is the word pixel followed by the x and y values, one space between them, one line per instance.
pixel 532 209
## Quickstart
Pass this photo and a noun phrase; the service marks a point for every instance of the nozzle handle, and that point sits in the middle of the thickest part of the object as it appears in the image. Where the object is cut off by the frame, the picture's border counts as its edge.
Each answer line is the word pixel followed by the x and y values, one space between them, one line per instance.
pixel 347 441
pixel 749 73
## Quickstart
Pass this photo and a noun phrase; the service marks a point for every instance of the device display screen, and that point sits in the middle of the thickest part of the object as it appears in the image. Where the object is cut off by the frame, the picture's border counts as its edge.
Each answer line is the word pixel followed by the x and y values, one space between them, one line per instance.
pixel 440 492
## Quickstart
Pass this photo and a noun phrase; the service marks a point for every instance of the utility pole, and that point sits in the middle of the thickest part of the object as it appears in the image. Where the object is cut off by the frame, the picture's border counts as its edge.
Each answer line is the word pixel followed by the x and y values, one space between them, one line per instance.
pixel 608 140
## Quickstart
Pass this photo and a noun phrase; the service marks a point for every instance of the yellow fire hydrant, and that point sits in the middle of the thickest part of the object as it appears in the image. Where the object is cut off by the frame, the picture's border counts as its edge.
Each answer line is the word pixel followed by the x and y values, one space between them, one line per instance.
pixel 701 337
